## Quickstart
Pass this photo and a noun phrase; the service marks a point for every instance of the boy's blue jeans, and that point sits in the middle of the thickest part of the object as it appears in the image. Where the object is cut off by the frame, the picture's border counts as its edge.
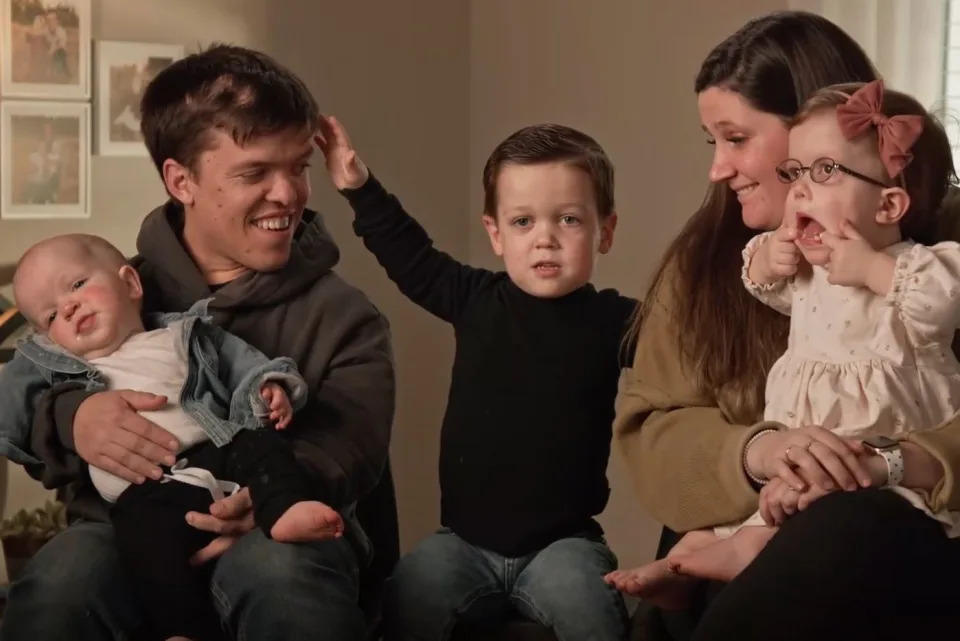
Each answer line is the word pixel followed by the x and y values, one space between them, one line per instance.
pixel 446 580
pixel 74 588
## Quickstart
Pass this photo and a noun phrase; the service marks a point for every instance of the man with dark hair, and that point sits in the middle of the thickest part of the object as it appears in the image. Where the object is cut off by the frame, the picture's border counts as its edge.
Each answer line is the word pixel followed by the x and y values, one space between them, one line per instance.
pixel 230 132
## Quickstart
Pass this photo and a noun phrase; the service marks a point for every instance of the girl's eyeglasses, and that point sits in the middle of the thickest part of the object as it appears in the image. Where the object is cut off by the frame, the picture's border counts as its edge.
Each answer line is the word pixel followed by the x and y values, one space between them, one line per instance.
pixel 821 170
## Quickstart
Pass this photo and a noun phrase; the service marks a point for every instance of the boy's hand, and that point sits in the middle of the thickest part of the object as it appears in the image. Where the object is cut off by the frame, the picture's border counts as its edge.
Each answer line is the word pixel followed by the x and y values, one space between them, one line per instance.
pixel 851 257
pixel 776 259
pixel 346 169
pixel 281 412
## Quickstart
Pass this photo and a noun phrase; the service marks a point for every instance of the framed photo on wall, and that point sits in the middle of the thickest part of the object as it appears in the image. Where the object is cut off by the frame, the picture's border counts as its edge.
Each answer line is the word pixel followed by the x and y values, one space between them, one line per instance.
pixel 124 69
pixel 44 153
pixel 45 49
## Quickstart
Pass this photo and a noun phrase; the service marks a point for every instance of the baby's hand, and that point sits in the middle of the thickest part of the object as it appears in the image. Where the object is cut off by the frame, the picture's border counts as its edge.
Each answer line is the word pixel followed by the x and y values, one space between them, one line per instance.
pixel 346 169
pixel 281 412
pixel 851 257
pixel 779 257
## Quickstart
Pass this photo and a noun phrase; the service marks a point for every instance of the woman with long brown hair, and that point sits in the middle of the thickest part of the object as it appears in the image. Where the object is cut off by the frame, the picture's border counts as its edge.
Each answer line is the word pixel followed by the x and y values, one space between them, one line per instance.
pixel 688 413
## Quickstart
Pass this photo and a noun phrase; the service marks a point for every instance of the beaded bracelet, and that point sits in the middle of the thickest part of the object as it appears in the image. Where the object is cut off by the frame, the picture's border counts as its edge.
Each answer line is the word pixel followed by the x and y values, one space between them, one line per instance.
pixel 746 447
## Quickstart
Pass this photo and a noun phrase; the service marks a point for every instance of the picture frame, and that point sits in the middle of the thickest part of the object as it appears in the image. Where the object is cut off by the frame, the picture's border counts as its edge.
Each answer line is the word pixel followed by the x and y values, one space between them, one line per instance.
pixel 44 160
pixel 123 70
pixel 45 49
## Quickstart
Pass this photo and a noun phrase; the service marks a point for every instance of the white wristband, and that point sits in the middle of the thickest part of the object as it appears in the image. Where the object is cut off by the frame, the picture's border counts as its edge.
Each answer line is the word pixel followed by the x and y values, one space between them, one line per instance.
pixel 894 460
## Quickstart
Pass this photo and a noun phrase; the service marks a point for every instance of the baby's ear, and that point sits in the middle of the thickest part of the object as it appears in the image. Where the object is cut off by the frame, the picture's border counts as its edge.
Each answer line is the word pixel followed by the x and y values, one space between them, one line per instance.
pixel 894 204
pixel 132 279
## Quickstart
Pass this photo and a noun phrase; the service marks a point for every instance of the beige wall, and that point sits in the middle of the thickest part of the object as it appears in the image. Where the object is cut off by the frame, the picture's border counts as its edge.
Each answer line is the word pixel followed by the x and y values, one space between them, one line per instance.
pixel 427 89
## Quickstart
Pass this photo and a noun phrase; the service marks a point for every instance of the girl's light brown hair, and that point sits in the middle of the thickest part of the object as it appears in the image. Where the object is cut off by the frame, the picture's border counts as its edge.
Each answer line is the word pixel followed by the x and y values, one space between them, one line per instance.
pixel 728 340
pixel 926 177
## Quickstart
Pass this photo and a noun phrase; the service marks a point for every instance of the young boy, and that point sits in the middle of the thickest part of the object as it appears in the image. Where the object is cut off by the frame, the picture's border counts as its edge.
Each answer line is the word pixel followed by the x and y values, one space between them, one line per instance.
pixel 526 436
pixel 84 300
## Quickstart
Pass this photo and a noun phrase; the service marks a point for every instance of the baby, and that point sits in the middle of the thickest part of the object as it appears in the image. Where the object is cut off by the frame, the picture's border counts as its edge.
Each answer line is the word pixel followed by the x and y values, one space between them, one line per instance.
pixel 84 302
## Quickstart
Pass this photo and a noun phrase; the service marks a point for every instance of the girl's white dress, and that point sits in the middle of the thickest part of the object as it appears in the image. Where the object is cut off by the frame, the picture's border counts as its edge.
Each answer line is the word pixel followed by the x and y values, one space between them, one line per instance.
pixel 863 364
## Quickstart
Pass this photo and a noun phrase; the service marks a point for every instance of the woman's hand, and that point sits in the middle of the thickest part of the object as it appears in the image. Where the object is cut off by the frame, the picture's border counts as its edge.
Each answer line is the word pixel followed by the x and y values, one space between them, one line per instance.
pixel 809 455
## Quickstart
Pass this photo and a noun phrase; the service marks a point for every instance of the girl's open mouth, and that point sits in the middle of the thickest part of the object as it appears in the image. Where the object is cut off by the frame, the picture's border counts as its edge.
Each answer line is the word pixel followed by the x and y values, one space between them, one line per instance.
pixel 808 230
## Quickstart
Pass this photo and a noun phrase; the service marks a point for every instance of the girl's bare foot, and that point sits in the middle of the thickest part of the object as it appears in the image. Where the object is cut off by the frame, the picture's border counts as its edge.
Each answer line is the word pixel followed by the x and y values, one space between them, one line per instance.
pixel 725 559
pixel 654 582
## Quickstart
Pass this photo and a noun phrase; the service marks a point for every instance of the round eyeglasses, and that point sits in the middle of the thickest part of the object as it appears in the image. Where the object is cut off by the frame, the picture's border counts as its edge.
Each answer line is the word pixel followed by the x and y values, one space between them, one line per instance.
pixel 821 170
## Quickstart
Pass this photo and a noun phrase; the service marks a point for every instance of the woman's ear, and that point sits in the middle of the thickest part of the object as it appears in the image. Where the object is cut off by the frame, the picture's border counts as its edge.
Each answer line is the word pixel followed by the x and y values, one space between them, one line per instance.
pixel 894 204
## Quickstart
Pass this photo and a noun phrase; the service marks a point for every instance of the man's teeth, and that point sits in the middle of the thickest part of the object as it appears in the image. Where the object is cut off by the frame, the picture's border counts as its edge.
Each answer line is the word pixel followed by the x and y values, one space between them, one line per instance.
pixel 273 224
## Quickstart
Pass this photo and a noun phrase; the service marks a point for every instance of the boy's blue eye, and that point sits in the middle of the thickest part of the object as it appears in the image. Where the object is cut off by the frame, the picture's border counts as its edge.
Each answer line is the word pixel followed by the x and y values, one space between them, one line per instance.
pixel 570 219
pixel 521 222
pixel 79 283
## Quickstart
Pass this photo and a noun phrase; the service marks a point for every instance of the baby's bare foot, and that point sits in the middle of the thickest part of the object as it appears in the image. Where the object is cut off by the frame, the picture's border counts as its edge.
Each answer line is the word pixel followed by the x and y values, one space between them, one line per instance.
pixel 307 521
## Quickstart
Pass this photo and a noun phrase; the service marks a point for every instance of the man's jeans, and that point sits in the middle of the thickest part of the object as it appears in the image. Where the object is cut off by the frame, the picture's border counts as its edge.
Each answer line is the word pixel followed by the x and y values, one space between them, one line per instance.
pixel 263 590
pixel 445 580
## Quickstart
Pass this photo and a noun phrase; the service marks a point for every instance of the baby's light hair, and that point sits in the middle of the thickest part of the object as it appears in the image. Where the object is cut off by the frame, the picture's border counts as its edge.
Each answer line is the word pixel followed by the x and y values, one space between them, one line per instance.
pixel 926 177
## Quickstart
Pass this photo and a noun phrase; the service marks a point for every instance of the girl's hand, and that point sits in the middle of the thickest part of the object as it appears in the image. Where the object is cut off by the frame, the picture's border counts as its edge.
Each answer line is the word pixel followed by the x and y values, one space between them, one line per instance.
pixel 851 256
pixel 778 502
pixel 777 258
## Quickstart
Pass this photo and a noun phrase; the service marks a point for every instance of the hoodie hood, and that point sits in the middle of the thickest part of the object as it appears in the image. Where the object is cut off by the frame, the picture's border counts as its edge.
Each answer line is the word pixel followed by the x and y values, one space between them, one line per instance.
pixel 313 254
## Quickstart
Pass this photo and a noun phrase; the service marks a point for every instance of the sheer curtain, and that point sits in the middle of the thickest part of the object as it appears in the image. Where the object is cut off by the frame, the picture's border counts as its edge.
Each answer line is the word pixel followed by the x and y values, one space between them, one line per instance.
pixel 906 39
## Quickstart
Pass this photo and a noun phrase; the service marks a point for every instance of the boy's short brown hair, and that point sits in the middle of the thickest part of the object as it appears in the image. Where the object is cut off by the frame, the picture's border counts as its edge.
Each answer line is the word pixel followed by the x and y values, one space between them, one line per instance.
pixel 549 143
pixel 242 92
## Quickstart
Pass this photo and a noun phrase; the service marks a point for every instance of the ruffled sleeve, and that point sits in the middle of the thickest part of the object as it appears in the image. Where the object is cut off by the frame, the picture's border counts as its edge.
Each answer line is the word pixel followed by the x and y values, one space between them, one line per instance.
pixel 778 295
pixel 926 290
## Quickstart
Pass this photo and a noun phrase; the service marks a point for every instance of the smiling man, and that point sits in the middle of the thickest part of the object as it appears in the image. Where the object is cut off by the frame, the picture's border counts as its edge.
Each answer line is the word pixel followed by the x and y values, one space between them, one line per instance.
pixel 230 132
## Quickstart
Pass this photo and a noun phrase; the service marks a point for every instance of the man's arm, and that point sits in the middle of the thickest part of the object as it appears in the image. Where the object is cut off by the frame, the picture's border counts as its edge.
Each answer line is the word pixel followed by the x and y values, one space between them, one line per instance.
pixel 72 427
pixel 342 436
pixel 21 383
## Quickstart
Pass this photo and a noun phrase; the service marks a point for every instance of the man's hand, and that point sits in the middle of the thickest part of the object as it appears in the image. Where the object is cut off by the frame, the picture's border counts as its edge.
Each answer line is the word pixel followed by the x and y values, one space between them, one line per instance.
pixel 231 517
pixel 346 169
pixel 111 435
